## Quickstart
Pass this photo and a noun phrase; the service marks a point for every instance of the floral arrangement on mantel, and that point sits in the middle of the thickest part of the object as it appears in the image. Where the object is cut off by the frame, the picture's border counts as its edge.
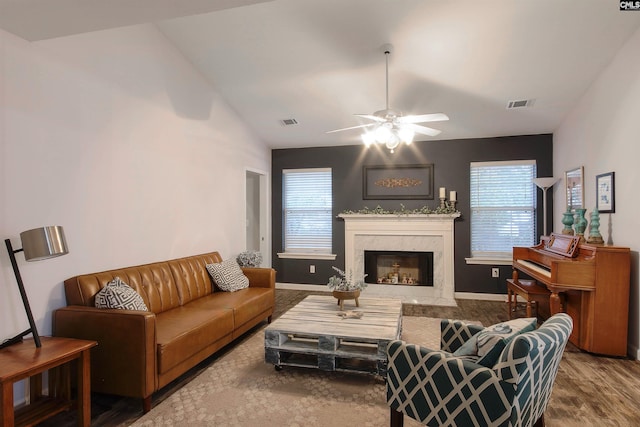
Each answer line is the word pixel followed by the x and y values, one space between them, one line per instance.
pixel 378 210
pixel 345 282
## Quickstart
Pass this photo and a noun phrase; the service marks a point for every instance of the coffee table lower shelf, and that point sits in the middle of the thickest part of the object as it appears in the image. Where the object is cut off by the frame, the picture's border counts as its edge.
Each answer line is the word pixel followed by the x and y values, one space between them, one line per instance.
pixel 326 353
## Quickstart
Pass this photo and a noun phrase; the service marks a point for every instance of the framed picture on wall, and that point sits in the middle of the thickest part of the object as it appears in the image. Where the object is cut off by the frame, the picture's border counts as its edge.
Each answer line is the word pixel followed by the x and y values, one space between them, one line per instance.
pixel 605 193
pixel 398 182
pixel 574 183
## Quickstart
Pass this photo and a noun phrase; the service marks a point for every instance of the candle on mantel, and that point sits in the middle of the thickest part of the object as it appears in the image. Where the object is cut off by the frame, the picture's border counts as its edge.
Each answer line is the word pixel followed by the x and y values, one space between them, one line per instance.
pixel 453 196
pixel 443 192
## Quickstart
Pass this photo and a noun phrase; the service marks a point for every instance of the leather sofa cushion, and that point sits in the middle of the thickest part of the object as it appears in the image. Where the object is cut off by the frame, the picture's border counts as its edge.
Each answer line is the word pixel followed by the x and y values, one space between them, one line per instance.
pixel 186 330
pixel 191 276
pixel 245 303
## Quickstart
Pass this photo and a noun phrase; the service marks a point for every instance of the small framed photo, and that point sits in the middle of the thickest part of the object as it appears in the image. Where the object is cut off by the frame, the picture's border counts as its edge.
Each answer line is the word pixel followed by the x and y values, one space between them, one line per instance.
pixel 605 193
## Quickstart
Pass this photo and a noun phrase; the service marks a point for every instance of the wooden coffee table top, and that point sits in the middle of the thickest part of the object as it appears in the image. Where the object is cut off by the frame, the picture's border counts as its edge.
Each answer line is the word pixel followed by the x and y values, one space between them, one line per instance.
pixel 319 315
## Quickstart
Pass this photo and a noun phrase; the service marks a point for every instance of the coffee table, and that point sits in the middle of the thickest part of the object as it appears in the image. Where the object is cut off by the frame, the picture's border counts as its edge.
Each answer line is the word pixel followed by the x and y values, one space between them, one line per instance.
pixel 314 335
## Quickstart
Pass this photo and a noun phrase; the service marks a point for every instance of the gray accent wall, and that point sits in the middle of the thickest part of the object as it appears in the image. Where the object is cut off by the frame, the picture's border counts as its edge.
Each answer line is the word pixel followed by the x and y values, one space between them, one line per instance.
pixel 451 161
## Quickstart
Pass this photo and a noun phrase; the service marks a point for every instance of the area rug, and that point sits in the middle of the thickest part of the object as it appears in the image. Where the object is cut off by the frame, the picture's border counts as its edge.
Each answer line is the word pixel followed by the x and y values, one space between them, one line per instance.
pixel 240 389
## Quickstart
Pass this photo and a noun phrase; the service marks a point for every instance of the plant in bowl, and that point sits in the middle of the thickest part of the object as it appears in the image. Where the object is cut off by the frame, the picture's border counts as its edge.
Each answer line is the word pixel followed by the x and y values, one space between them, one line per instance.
pixel 345 288
pixel 249 259
pixel 345 282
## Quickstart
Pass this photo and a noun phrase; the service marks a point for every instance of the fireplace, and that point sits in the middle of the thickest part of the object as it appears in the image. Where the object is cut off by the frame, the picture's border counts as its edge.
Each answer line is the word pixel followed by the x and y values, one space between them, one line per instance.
pixel 408 268
pixel 404 233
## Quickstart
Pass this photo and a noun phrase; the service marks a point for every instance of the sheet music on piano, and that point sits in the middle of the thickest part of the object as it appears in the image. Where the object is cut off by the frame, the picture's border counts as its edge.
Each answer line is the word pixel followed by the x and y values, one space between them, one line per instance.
pixel 563 244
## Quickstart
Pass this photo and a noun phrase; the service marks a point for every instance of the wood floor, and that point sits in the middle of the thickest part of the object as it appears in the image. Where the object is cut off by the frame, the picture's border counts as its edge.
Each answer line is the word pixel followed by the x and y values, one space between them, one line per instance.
pixel 589 390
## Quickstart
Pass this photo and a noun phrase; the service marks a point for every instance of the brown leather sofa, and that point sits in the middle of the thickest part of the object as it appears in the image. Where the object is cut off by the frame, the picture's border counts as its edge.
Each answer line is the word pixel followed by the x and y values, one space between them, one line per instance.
pixel 188 320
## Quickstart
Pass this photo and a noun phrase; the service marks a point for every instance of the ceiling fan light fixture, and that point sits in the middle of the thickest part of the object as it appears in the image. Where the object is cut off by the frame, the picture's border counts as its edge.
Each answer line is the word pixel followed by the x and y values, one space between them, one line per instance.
pixel 383 134
pixel 393 142
pixel 368 138
pixel 388 135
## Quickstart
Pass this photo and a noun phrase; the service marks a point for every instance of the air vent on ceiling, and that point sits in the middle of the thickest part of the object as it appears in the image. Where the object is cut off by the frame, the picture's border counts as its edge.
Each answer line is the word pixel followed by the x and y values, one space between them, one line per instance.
pixel 289 122
pixel 521 103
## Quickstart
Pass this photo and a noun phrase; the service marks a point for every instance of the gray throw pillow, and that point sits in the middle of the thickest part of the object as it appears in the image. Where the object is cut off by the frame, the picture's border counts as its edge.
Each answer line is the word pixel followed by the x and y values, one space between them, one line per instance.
pixel 228 275
pixel 117 294
pixel 487 344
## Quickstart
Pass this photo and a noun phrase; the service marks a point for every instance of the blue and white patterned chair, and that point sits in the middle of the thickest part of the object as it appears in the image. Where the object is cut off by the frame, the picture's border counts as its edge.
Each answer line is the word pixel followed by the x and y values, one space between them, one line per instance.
pixel 437 388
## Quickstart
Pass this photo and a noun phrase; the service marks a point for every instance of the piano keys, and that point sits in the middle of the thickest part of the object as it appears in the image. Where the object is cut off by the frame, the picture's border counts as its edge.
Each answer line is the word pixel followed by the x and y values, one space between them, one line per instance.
pixel 589 282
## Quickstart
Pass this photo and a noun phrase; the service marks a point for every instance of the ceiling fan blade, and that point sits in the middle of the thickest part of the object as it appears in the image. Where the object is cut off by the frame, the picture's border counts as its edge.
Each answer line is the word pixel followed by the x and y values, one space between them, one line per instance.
pixel 371 117
pixel 435 117
pixel 423 129
pixel 352 127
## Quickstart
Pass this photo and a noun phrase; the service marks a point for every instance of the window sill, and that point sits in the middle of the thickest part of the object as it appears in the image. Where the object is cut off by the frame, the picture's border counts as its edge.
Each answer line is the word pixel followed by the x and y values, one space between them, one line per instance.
pixel 290 255
pixel 489 261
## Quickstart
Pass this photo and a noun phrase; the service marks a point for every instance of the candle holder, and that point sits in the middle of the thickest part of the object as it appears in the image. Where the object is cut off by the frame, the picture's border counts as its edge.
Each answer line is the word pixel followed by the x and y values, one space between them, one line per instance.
pixel 452 204
pixel 443 203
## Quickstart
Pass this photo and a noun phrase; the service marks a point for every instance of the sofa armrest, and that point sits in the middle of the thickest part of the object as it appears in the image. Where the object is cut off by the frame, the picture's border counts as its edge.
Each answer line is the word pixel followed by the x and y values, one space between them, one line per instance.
pixel 260 277
pixel 436 388
pixel 124 362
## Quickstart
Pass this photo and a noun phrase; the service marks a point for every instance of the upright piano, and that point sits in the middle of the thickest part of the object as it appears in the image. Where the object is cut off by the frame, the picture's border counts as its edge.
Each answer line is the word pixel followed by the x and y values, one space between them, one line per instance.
pixel 588 282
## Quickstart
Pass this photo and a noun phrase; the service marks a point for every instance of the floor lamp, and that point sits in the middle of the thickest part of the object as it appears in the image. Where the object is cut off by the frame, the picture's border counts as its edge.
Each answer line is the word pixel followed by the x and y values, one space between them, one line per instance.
pixel 37 244
pixel 545 184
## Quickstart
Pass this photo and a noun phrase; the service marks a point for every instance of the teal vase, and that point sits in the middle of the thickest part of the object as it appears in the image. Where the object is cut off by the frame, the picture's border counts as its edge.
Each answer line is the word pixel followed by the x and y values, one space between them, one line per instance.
pixel 594 229
pixel 580 223
pixel 567 220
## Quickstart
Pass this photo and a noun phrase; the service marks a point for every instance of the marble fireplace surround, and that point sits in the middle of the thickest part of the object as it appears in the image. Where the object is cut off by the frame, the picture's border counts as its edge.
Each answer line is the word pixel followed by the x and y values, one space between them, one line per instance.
pixel 414 232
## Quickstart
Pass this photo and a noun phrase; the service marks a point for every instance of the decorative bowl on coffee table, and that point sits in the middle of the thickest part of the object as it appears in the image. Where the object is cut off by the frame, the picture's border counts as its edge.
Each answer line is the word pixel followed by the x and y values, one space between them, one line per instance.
pixel 346 295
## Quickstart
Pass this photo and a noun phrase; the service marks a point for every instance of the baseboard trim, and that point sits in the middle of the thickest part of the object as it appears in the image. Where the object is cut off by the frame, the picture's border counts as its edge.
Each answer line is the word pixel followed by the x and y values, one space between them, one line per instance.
pixel 633 350
pixel 480 296
pixel 302 287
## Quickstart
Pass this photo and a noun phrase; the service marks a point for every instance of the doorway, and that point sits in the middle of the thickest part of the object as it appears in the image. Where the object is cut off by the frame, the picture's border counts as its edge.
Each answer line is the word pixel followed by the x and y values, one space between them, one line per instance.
pixel 257 224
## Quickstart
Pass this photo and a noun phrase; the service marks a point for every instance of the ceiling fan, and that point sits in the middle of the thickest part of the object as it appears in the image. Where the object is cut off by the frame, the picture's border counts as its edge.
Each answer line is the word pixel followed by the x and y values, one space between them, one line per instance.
pixel 390 127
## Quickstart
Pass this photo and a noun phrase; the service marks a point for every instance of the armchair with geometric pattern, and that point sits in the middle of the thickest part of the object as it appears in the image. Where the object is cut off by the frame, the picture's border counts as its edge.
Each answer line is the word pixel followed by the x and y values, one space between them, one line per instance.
pixel 438 388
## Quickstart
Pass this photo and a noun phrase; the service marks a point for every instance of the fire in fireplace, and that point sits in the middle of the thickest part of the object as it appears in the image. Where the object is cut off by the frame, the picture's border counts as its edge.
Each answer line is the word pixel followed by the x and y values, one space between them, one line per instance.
pixel 399 267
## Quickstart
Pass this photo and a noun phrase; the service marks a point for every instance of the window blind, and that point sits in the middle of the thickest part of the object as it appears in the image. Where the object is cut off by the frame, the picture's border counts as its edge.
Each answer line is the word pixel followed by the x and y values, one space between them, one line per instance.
pixel 307 206
pixel 503 207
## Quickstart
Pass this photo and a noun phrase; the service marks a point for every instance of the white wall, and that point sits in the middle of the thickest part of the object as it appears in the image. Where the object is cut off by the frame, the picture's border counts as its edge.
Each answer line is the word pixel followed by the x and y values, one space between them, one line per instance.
pixel 602 134
pixel 116 137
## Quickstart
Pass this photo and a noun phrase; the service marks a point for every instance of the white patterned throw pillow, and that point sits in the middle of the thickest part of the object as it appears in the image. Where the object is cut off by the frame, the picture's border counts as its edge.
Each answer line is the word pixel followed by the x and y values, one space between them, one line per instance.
pixel 228 275
pixel 117 294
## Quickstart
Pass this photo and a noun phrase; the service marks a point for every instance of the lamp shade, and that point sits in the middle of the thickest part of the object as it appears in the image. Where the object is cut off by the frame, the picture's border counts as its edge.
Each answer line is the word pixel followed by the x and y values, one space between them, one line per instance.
pixel 545 182
pixel 44 242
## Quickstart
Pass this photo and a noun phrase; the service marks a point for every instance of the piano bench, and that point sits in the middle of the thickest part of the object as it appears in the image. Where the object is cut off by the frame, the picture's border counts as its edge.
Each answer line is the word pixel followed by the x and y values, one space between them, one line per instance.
pixel 527 289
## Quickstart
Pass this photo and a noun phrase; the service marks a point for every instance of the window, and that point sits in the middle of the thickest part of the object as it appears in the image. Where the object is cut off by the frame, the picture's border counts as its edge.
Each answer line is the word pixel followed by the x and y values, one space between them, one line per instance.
pixel 307 212
pixel 502 207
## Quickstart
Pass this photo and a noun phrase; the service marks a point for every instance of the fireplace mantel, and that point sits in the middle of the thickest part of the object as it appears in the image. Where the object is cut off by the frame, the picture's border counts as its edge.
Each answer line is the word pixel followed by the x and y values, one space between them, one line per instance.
pixel 412 232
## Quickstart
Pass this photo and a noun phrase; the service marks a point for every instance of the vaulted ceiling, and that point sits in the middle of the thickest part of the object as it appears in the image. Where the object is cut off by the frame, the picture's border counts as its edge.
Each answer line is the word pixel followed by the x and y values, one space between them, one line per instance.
pixel 319 61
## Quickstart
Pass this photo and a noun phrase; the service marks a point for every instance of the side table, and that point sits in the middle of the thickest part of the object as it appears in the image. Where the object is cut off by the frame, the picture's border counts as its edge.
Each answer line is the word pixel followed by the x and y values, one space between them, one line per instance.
pixel 24 360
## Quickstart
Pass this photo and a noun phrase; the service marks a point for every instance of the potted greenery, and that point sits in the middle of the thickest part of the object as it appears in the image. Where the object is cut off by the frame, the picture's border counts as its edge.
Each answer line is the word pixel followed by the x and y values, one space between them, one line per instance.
pixel 344 287
pixel 249 259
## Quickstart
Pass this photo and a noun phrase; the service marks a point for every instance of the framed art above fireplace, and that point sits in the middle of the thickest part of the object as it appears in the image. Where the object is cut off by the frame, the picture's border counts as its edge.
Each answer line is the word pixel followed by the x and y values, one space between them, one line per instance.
pixel 399 182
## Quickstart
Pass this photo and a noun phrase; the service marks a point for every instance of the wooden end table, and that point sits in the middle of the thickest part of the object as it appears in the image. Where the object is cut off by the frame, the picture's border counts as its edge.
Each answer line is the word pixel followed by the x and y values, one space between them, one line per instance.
pixel 24 360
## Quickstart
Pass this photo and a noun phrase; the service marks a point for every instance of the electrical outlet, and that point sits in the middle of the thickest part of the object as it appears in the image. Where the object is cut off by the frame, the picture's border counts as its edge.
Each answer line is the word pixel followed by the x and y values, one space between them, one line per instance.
pixel 312 269
pixel 495 272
